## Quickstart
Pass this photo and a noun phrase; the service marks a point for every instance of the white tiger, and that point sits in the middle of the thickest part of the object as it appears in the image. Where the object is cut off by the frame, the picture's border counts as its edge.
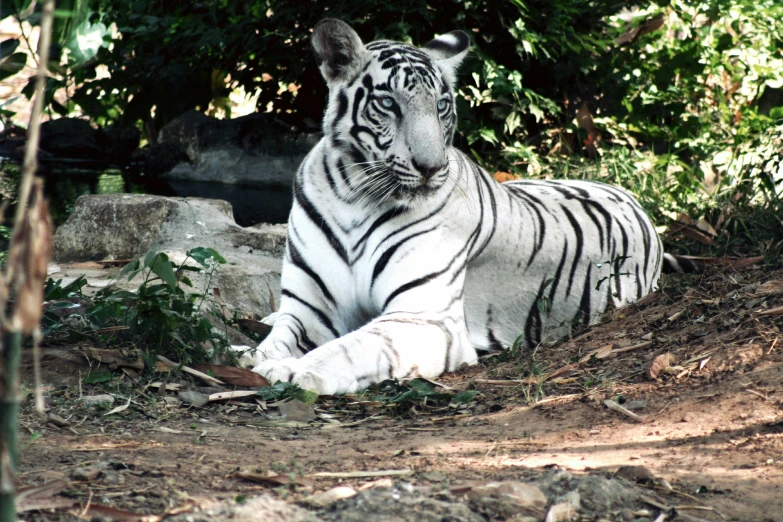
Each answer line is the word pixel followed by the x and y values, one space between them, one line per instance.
pixel 404 258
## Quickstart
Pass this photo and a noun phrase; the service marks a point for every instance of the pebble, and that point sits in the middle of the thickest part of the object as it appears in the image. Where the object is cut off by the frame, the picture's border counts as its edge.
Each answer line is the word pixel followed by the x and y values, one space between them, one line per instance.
pixel 296 411
pixel 638 474
pixel 635 405
pixel 85 473
pixel 520 495
pixel 562 512
pixel 193 398
pixel 330 496
pixel 92 401
pixel 688 417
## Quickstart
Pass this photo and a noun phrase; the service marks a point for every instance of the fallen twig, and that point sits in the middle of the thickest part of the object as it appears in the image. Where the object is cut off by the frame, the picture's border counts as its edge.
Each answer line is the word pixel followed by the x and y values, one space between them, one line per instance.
pixel 363 474
pixel 222 396
pixel 778 310
pixel 500 382
pixel 612 405
pixel 196 373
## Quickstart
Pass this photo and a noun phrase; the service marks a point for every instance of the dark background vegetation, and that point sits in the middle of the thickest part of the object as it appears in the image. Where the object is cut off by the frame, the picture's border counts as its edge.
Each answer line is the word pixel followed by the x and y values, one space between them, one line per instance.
pixel 680 102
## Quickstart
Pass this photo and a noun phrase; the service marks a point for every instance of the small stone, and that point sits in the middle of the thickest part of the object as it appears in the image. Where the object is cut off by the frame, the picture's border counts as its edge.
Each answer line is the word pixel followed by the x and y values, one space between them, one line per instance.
pixel 92 401
pixel 639 474
pixel 524 497
pixel 573 498
pixel 330 496
pixel 563 512
pixel 635 405
pixel 688 417
pixel 140 498
pixel 627 515
pixel 193 398
pixel 296 411
pixel 172 401
pixel 85 473
pixel 433 476
pixel 51 475
pixel 112 478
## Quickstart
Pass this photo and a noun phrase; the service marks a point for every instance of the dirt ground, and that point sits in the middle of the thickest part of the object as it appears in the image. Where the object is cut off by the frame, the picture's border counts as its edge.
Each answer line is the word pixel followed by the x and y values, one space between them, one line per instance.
pixel 709 429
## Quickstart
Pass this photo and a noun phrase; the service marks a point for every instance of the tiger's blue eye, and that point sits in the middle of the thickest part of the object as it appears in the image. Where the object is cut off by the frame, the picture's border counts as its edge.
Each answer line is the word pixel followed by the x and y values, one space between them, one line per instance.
pixel 442 104
pixel 387 102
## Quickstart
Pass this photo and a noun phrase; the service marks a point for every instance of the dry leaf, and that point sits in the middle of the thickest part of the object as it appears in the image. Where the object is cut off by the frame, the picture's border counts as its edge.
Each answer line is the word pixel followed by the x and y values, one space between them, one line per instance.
pixel 118 409
pixel 255 326
pixel 233 375
pixel 600 353
pixel 774 286
pixel 28 258
pixel 502 177
pixel 701 231
pixel 658 365
pixel 747 262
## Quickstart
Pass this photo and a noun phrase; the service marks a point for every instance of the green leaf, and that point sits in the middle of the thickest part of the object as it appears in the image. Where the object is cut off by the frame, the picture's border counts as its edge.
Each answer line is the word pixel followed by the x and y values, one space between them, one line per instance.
pixel 274 392
pixel 306 396
pixel 98 377
pixel 776 113
pixel 163 268
pixel 201 254
pixel 464 397
pixel 149 258
pixel 7 47
pixel 489 135
pixel 12 65
pixel 86 41
pixel 133 267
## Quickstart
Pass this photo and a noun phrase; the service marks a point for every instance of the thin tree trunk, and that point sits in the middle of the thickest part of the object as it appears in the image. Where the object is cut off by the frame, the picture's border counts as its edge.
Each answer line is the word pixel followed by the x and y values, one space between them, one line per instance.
pixel 9 420
pixel 22 281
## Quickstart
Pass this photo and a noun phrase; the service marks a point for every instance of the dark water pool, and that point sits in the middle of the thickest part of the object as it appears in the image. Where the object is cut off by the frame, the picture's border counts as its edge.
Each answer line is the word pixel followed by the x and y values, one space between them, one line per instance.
pixel 64 185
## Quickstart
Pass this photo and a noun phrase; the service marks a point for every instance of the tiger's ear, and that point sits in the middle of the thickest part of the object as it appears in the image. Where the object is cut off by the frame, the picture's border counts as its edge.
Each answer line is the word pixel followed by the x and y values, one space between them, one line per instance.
pixel 338 50
pixel 447 51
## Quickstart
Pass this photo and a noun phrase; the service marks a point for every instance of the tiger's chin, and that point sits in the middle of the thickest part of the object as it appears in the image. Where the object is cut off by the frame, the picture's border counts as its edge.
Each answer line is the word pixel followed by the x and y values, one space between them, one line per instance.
pixel 406 195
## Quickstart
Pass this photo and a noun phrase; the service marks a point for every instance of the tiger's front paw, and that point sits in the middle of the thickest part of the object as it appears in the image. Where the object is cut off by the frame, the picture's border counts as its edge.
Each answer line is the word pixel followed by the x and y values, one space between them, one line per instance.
pixel 297 372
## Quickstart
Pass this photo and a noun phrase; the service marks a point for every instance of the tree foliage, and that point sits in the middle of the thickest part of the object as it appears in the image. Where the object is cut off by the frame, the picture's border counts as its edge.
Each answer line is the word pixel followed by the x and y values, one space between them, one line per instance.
pixel 681 102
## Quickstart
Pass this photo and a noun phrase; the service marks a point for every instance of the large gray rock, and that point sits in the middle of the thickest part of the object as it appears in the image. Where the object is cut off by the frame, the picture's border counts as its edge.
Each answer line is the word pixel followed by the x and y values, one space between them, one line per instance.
pixel 115 226
pixel 122 226
pixel 252 150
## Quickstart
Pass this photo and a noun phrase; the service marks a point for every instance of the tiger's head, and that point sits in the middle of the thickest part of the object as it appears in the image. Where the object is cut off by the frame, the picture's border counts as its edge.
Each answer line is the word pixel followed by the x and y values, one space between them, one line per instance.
pixel 391 109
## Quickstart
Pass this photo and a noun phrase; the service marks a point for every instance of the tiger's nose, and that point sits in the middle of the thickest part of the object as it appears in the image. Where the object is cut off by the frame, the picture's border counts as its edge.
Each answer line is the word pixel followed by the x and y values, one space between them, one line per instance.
pixel 428 171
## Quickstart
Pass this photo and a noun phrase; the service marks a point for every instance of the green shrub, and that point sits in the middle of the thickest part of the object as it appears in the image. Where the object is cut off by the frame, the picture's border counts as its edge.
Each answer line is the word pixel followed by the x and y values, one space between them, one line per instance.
pixel 681 102
pixel 161 317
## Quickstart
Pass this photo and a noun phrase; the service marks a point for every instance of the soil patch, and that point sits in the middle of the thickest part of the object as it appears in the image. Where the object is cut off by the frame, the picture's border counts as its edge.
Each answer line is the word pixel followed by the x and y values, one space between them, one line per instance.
pixel 700 365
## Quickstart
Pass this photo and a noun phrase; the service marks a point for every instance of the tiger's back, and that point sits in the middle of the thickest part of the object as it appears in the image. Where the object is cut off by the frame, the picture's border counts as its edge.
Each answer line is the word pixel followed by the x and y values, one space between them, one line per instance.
pixel 570 248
